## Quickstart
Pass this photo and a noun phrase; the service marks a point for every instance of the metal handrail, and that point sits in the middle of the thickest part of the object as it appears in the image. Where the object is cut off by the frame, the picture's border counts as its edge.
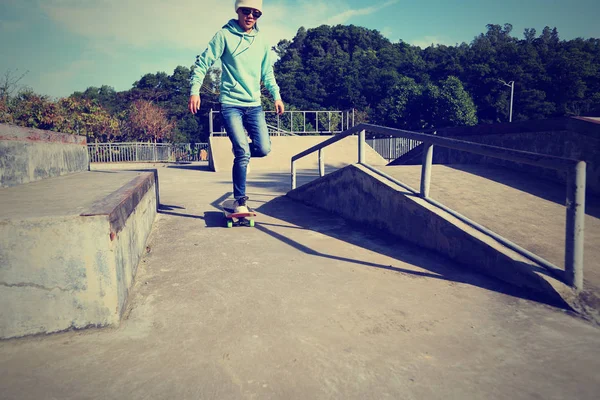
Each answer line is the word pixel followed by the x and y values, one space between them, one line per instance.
pixel 327 142
pixel 346 118
pixel 575 201
pixel 280 131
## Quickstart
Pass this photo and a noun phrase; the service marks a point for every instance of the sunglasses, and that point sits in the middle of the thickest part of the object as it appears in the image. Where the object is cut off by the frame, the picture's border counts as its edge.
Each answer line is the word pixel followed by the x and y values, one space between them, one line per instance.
pixel 247 11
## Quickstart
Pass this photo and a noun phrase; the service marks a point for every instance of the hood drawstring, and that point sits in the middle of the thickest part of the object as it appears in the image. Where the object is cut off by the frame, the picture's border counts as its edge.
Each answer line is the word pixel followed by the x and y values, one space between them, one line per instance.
pixel 250 45
pixel 232 26
pixel 238 46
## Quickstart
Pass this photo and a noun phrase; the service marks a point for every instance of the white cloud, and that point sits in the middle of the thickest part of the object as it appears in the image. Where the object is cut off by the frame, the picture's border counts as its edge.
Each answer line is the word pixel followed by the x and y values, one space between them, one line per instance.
pixel 141 23
pixel 188 24
pixel 348 14
pixel 132 37
pixel 427 41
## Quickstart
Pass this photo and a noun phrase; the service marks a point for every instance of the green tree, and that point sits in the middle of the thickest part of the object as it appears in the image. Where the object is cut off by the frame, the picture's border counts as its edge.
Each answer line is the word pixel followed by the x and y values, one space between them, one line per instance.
pixel 454 106
pixel 33 110
pixel 401 109
pixel 87 118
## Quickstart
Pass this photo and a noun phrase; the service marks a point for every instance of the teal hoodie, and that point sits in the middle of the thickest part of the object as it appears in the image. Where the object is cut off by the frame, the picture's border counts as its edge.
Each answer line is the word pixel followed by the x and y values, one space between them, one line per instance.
pixel 245 62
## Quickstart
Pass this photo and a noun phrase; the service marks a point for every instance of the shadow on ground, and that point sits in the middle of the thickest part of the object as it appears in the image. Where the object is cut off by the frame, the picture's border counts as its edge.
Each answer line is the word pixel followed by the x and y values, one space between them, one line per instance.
pixel 308 218
pixel 194 167
pixel 280 181
pixel 212 219
pixel 438 267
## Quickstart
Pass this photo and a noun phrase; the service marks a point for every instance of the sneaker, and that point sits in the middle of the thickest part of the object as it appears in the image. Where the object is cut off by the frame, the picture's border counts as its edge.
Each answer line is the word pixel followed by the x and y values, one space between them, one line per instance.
pixel 239 206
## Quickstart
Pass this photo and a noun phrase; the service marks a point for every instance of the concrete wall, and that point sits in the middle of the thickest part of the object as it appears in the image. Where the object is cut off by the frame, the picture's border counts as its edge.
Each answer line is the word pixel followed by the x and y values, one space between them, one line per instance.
pixel 59 273
pixel 360 195
pixel 129 244
pixel 283 148
pixel 28 155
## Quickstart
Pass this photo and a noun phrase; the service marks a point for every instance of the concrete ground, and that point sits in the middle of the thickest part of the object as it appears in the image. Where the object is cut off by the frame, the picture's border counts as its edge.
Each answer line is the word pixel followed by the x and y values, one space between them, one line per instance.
pixel 304 306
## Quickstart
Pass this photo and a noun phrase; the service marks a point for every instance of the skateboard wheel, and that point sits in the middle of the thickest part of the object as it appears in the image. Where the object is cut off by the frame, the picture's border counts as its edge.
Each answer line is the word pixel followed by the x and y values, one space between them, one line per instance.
pixel 251 223
pixel 230 224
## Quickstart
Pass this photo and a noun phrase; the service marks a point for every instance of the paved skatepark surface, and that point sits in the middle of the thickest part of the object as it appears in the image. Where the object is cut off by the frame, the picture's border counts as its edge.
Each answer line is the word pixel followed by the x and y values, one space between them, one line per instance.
pixel 304 306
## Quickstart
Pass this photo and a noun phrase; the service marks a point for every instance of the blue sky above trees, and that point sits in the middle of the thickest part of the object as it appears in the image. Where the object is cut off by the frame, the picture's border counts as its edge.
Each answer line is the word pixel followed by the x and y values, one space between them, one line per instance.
pixel 68 45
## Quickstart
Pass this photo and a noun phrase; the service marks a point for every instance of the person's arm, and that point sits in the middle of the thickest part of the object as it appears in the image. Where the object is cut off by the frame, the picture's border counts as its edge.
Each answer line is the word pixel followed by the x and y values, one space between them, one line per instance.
pixel 268 78
pixel 213 52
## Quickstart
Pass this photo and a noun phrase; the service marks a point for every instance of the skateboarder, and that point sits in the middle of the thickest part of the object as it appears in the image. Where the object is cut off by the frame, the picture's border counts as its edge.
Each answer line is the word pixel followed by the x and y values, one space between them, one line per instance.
pixel 245 56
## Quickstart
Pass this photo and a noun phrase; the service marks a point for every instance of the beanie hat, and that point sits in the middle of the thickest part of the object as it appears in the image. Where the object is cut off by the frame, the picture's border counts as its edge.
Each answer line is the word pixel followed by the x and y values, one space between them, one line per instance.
pixel 256 4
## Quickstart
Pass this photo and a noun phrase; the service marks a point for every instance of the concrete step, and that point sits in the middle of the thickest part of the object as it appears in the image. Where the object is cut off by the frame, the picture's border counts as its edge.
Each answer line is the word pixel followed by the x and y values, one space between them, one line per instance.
pixel 70 249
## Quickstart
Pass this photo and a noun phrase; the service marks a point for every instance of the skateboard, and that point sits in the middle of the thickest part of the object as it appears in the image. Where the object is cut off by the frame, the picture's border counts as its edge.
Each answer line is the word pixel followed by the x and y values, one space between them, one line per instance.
pixel 237 219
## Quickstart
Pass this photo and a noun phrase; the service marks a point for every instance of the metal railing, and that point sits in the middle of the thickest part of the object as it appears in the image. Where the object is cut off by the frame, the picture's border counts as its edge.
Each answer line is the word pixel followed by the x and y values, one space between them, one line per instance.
pixel 147 152
pixel 274 131
pixel 575 199
pixel 295 122
pixel 392 147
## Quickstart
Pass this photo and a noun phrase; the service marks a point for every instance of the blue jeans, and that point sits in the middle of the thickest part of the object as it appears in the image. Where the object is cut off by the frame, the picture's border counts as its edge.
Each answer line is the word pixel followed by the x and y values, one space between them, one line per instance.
pixel 236 118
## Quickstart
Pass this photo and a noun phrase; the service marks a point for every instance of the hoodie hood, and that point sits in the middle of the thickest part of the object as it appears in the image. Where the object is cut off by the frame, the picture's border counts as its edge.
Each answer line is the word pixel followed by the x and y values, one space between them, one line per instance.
pixel 233 27
pixel 246 39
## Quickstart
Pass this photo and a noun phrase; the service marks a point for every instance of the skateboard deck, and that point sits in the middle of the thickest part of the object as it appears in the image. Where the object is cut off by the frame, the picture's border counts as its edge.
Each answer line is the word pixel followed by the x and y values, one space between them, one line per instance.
pixel 237 219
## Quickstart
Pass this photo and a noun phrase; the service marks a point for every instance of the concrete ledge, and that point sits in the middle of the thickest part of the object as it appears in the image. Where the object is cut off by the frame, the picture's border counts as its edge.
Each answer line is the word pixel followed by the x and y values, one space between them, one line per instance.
pixel 120 204
pixel 392 209
pixel 283 148
pixel 28 155
pixel 72 265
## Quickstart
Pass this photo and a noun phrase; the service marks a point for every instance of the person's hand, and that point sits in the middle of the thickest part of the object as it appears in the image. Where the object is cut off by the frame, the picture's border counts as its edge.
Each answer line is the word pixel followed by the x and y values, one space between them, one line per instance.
pixel 194 104
pixel 279 107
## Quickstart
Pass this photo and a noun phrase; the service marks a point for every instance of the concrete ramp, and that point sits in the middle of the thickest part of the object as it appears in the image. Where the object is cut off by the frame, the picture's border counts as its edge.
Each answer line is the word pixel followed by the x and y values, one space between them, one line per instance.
pixel 337 155
pixel 361 195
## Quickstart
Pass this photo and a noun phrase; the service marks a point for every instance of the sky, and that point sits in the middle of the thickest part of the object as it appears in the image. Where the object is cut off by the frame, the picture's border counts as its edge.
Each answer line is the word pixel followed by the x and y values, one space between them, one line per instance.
pixel 65 46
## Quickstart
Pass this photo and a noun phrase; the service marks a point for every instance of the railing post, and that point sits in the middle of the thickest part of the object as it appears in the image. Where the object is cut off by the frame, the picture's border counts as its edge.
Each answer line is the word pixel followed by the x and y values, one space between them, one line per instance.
pixel 293 175
pixel 321 163
pixel 361 147
pixel 210 122
pixel 110 152
pixel 304 130
pixel 426 169
pixel 575 224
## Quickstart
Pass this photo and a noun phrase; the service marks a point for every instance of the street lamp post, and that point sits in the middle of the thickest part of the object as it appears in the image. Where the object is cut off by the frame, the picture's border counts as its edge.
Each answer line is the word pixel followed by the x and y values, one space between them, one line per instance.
pixel 511 85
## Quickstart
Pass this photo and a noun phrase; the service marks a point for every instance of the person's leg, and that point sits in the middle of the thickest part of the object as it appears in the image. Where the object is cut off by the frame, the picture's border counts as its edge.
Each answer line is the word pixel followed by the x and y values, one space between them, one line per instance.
pixel 233 121
pixel 258 132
